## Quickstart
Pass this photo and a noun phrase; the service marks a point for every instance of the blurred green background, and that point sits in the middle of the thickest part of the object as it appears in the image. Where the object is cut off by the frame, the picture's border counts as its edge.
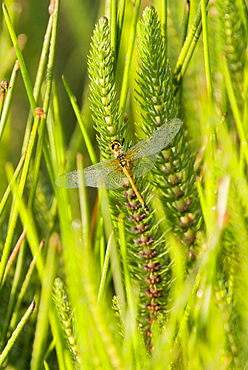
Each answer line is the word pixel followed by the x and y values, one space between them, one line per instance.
pixel 201 114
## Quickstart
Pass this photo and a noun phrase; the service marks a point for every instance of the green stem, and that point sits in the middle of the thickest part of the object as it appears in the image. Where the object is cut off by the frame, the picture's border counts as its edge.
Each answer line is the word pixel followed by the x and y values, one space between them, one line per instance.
pixel 206 49
pixel 113 28
pixel 49 75
pixel 164 22
pixel 83 203
pixel 7 102
pixel 188 56
pixel 8 190
pixel 23 68
pixel 126 76
pixel 105 270
pixel 42 324
pixel 39 78
pixel 233 101
pixel 16 333
pixel 122 6
pixel 82 126
pixel 185 22
pixel 15 208
pixel 188 46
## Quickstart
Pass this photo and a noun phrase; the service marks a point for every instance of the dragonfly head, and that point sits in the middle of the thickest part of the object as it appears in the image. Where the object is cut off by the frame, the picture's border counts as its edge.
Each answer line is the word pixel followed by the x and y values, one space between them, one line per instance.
pixel 116 147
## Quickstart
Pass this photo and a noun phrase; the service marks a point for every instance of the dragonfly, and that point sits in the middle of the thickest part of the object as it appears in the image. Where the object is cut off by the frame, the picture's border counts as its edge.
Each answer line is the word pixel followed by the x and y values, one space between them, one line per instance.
pixel 136 162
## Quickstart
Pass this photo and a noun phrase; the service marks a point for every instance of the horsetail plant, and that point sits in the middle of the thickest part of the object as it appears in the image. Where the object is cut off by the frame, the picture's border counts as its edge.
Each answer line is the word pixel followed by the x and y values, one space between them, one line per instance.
pixel 65 315
pixel 104 103
pixel 175 173
pixel 109 124
pixel 234 41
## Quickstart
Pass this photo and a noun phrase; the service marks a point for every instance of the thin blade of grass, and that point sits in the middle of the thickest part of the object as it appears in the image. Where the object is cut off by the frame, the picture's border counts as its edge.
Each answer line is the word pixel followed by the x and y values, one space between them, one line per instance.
pixel 42 325
pixel 8 100
pixel 46 102
pixel 188 47
pixel 82 125
pixel 126 75
pixel 8 190
pixel 20 58
pixel 16 333
pixel 205 35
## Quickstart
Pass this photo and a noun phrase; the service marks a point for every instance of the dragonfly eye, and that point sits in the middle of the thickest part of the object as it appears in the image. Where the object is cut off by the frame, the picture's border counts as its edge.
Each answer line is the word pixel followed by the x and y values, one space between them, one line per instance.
pixel 115 145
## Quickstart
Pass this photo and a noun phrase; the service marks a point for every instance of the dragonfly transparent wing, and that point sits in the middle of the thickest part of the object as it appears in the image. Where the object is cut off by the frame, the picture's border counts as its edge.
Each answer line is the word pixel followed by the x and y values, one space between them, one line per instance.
pixel 157 141
pixel 141 166
pixel 106 175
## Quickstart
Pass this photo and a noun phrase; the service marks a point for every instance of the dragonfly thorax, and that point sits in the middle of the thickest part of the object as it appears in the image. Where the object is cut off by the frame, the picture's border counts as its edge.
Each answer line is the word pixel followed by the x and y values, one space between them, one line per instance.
pixel 122 160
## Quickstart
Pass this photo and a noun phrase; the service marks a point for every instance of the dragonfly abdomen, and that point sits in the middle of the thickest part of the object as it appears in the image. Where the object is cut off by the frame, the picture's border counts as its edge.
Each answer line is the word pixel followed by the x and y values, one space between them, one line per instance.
pixel 127 172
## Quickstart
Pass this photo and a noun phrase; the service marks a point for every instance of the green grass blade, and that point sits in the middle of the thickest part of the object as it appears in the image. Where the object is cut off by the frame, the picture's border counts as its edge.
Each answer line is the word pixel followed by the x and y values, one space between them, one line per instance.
pixel 233 102
pixel 188 47
pixel 19 55
pixel 8 190
pixel 45 304
pixel 82 125
pixel 127 67
pixel 14 215
pixel 206 49
pixel 46 102
pixel 16 333
pixel 114 27
pixel 7 102
pixel 105 269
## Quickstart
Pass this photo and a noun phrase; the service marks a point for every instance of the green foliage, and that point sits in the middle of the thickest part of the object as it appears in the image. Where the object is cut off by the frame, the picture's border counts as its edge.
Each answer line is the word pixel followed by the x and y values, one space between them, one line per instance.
pixel 65 315
pixel 233 41
pixel 106 281
pixel 158 103
pixel 104 104
pixel 156 90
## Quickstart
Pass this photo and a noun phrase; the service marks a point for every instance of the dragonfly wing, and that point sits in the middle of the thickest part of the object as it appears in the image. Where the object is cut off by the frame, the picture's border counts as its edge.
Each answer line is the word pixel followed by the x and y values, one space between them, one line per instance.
pixel 105 178
pixel 143 165
pixel 157 141
pixel 106 175
pixel 68 180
